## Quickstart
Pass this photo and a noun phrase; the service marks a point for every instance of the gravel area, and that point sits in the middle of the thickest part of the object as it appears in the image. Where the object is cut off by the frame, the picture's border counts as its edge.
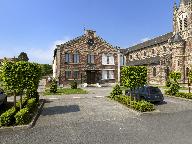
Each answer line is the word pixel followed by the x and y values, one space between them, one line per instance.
pixel 89 119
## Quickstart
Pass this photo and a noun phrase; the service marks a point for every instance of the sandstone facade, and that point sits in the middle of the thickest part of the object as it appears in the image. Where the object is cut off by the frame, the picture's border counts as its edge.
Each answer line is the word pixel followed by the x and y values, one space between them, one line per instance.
pixel 169 52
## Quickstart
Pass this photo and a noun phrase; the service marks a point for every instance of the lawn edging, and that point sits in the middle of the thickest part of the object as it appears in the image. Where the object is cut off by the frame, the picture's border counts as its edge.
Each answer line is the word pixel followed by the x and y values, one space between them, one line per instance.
pixel 30 125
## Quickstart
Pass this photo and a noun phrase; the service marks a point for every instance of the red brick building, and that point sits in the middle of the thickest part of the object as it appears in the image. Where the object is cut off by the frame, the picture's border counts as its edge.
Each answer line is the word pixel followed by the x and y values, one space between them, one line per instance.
pixel 88 59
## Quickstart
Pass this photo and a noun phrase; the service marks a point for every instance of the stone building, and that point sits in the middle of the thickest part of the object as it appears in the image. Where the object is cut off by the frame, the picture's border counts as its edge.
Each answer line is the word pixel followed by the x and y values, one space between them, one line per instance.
pixel 169 52
pixel 87 59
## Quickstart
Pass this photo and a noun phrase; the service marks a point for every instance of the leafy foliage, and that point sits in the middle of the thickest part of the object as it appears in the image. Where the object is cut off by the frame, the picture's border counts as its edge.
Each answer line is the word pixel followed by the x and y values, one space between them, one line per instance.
pixel 73 84
pixel 173 86
pixel 23 57
pixel 46 69
pixel 22 117
pixel 31 104
pixel 134 76
pixel 20 76
pixel 7 118
pixel 184 95
pixel 142 106
pixel 190 75
pixel 116 91
pixel 53 88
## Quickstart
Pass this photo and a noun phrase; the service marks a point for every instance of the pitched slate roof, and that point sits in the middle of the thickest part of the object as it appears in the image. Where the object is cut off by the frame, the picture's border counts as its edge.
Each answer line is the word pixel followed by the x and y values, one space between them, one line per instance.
pixel 147 61
pixel 157 40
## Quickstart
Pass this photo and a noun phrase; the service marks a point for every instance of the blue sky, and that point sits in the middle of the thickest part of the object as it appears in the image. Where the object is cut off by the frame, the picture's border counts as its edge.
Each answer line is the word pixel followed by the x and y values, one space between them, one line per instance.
pixel 36 26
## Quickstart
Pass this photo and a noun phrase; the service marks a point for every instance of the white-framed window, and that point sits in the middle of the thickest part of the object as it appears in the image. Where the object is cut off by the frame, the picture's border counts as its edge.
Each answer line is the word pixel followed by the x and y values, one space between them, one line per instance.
pixel 67 57
pixel 107 74
pixel 76 57
pixel 108 59
pixel 90 59
pixel 122 60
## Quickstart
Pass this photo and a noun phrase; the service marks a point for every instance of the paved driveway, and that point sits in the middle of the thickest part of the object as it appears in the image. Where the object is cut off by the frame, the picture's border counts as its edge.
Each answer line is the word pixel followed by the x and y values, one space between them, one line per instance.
pixel 89 119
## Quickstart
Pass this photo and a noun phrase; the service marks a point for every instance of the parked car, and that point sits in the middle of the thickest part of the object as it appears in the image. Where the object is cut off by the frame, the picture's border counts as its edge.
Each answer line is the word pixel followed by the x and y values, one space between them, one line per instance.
pixel 148 93
pixel 3 97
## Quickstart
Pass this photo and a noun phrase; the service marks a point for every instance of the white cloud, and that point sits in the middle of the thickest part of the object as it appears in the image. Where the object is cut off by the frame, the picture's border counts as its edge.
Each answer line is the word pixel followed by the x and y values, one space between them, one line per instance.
pixel 39 55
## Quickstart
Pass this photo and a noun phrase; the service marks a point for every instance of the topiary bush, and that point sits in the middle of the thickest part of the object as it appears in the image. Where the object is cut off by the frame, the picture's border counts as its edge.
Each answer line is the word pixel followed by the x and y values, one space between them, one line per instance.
pixel 7 118
pixel 53 88
pixel 173 84
pixel 31 104
pixel 74 85
pixel 116 91
pixel 22 117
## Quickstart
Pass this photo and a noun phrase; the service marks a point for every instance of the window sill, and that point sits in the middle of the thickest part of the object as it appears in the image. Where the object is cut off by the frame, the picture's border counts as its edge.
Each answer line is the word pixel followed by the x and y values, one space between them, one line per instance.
pixel 108 64
pixel 109 79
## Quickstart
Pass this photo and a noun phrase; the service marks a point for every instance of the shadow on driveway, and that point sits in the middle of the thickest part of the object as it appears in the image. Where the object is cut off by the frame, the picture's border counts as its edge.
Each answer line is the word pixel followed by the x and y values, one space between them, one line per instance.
pixel 60 110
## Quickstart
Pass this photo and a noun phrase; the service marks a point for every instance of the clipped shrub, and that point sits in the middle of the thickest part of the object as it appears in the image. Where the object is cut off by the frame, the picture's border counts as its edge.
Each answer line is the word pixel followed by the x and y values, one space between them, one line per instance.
pixel 22 117
pixel 24 102
pixel 74 85
pixel 184 95
pixel 116 91
pixel 142 106
pixel 53 88
pixel 7 118
pixel 31 104
pixel 33 94
pixel 173 84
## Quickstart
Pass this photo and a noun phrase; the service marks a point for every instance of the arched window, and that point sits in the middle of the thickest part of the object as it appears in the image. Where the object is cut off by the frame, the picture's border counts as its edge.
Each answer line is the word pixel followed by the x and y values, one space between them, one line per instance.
pixel 145 54
pixel 164 49
pixel 178 63
pixel 167 73
pixel 187 72
pixel 67 57
pixel 181 24
pixel 185 22
pixel 131 57
pixel 154 72
pixel 153 51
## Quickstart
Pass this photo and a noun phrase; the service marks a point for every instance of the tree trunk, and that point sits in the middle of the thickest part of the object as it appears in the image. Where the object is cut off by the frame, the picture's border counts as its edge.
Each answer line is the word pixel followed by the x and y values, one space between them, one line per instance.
pixel 21 103
pixel 15 99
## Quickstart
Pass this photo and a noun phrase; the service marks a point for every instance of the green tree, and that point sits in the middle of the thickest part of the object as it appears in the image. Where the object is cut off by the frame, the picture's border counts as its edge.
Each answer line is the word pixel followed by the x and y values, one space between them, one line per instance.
pixel 23 57
pixel 21 76
pixel 46 69
pixel 116 91
pixel 173 86
pixel 53 88
pixel 134 76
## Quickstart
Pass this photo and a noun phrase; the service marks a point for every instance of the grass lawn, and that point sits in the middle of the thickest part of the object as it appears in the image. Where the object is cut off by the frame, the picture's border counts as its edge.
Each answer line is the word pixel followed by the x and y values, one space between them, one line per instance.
pixel 66 91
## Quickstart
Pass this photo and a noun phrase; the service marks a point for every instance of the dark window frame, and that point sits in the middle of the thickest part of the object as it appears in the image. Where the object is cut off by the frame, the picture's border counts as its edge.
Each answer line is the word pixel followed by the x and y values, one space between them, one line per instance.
pixel 67 57
pixel 67 75
pixel 154 71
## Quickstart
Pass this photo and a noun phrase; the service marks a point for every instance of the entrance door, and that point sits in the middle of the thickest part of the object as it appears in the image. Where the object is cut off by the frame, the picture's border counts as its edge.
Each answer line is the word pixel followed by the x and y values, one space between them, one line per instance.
pixel 91 77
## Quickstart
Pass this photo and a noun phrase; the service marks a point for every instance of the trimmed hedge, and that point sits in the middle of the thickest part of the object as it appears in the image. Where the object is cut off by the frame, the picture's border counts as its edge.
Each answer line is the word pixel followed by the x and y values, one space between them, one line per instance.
pixel 19 117
pixel 142 106
pixel 184 95
pixel 22 117
pixel 116 91
pixel 73 84
pixel 31 104
pixel 7 118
